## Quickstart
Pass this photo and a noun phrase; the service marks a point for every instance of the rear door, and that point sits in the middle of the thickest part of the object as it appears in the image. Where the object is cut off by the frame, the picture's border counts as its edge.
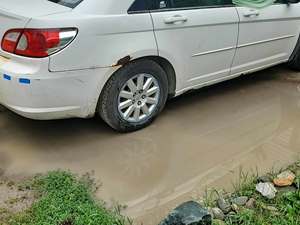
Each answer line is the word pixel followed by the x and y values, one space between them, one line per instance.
pixel 267 36
pixel 199 37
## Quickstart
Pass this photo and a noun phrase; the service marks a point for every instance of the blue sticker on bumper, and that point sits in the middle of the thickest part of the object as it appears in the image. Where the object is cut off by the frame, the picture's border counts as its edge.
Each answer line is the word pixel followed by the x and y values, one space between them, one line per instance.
pixel 6 77
pixel 24 81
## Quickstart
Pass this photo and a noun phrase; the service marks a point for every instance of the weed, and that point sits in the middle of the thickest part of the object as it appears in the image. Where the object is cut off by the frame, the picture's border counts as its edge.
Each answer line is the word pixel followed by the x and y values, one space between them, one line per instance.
pixel 65 199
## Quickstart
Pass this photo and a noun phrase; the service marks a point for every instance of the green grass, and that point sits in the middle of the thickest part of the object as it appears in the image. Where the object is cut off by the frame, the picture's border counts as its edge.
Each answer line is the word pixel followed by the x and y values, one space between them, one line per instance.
pixel 288 206
pixel 64 199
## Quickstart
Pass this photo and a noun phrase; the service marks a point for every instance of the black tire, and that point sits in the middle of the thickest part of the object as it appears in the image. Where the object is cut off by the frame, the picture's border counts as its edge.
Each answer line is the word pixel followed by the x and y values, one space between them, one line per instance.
pixel 294 62
pixel 108 102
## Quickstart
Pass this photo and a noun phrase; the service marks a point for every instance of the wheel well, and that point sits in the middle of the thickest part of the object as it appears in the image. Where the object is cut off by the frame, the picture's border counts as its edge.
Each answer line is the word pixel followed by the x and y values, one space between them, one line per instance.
pixel 295 51
pixel 168 68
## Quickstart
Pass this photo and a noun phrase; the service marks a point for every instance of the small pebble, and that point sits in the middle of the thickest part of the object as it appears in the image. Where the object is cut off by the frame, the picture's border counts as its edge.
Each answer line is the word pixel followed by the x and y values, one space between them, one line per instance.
pixel 251 203
pixel 240 201
pixel 224 205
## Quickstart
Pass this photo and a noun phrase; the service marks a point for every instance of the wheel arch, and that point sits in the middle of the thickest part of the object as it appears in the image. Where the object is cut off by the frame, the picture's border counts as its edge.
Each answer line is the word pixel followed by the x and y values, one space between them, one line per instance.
pixel 164 63
pixel 168 68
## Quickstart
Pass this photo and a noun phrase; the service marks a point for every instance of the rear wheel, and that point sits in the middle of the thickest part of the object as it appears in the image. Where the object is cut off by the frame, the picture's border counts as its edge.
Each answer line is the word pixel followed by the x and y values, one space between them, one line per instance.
pixel 294 62
pixel 134 96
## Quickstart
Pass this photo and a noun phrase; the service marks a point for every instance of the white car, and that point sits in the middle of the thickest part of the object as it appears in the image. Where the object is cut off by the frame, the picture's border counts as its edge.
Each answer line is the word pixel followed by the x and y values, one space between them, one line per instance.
pixel 123 59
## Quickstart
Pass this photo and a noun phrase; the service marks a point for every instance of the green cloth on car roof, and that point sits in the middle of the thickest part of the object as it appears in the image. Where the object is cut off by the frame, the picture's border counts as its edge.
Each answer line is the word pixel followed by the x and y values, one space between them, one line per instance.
pixel 254 3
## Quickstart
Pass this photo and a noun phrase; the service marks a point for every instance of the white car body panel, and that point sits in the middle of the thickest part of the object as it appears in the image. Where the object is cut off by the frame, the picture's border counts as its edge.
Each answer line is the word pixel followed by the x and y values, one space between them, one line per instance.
pixel 211 46
pixel 194 46
pixel 119 36
pixel 266 37
pixel 34 8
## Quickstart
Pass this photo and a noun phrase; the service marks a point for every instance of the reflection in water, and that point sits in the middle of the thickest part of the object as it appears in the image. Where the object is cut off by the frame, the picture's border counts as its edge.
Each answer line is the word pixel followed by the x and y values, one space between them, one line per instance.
pixel 201 140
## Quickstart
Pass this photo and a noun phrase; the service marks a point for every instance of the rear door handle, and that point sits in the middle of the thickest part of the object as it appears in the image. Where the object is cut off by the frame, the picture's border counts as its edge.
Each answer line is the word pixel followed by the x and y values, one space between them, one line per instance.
pixel 176 19
pixel 251 13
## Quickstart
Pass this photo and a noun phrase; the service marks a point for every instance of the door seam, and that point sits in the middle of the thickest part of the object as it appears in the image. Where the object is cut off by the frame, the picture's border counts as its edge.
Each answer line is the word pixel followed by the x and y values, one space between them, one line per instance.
pixel 154 34
pixel 237 40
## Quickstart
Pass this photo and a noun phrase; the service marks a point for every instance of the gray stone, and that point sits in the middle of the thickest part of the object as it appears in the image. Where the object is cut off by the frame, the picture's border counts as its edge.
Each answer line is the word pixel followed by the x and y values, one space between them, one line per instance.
pixel 217 213
pixel 264 179
pixel 251 203
pixel 189 213
pixel 235 207
pixel 224 205
pixel 240 201
pixel 269 208
pixel 267 190
pixel 288 189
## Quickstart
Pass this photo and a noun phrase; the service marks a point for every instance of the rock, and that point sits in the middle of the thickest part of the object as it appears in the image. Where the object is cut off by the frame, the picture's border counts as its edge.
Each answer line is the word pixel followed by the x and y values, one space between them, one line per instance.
pixel 264 179
pixel 269 208
pixel 217 213
pixel 267 190
pixel 218 222
pixel 189 213
pixel 251 203
pixel 240 201
pixel 235 208
pixel 224 205
pixel 284 179
pixel 209 210
pixel 288 189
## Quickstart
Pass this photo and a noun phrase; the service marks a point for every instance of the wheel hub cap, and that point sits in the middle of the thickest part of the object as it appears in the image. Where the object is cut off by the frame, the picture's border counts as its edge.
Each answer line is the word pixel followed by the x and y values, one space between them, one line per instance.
pixel 138 98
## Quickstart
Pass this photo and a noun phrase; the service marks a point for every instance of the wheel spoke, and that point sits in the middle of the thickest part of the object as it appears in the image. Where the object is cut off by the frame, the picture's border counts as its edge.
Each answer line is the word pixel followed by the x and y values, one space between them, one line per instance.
pixel 136 115
pixel 152 91
pixel 132 85
pixel 128 112
pixel 140 82
pixel 126 94
pixel 145 109
pixel 125 104
pixel 148 83
pixel 151 101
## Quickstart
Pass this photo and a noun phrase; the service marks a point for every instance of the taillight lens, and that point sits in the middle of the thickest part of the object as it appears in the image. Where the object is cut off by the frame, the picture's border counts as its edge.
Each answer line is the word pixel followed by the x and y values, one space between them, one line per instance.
pixel 37 43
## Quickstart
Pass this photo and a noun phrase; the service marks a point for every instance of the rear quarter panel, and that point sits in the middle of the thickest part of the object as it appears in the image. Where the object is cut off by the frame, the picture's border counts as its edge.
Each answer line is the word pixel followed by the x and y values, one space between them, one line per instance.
pixel 102 40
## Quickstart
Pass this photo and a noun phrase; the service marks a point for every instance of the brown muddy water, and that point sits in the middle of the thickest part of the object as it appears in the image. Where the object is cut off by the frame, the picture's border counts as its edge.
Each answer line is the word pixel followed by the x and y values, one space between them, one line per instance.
pixel 203 139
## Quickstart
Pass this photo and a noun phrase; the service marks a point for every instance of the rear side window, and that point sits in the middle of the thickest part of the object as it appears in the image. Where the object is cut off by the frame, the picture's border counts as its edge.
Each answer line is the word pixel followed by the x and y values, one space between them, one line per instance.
pixel 68 3
pixel 145 5
pixel 192 3
pixel 139 6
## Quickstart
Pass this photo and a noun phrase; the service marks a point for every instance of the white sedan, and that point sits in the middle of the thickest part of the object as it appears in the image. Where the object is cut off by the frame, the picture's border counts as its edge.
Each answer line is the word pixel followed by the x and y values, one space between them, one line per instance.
pixel 122 59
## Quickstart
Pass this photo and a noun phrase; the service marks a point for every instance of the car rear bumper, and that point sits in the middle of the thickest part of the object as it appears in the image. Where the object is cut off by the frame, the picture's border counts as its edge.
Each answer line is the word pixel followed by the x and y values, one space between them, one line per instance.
pixel 47 98
pixel 39 94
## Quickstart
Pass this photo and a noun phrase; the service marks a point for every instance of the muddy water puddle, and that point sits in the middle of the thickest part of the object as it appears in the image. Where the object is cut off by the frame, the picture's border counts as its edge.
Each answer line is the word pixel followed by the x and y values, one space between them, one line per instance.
pixel 203 139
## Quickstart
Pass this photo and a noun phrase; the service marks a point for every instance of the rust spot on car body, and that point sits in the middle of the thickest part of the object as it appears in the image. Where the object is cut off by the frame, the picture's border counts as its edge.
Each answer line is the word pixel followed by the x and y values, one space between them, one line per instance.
pixel 123 61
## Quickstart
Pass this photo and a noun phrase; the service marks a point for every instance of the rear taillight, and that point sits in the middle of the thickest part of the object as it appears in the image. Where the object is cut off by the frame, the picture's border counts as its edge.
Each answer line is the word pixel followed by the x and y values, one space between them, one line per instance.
pixel 37 42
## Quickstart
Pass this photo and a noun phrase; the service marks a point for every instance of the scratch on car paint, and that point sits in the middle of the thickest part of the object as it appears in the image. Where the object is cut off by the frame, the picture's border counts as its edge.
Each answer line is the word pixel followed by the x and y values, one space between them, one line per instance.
pixel 79 80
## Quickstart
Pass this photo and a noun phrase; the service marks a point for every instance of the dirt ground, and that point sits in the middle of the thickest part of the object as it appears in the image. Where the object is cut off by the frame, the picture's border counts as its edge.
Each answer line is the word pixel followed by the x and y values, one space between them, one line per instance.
pixel 14 197
pixel 202 139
